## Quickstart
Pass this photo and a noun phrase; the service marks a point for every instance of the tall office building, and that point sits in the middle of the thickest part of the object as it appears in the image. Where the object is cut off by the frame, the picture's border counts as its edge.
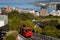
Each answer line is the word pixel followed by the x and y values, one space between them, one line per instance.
pixel 58 7
pixel 43 11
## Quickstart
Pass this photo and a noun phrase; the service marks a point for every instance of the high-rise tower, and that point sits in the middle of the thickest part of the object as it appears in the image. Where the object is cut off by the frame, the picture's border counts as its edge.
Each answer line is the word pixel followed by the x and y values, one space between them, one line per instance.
pixel 44 11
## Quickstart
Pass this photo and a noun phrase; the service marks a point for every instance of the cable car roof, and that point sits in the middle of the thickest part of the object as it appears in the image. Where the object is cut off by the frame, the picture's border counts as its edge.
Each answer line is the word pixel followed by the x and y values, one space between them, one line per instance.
pixel 27 28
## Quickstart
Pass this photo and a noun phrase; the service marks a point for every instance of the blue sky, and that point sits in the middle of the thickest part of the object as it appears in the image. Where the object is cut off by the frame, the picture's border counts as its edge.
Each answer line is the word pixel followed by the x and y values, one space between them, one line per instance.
pixel 2 1
pixel 28 1
pixel 25 0
pixel 6 1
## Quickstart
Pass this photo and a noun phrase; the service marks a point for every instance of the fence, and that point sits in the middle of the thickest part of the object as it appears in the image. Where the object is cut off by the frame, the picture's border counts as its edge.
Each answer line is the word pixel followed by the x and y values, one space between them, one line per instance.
pixel 47 37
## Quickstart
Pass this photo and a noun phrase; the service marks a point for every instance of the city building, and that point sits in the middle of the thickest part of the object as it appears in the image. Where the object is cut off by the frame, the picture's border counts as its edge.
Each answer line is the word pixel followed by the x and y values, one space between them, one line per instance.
pixel 55 13
pixel 0 11
pixel 16 8
pixel 3 10
pixel 43 11
pixel 58 7
pixel 8 9
pixel 58 12
pixel 4 22
pixel 36 13
pixel 32 11
pixel 29 11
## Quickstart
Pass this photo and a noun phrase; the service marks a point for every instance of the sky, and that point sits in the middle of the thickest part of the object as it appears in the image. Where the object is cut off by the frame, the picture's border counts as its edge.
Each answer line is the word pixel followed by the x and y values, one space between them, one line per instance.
pixel 25 1
pixel 2 1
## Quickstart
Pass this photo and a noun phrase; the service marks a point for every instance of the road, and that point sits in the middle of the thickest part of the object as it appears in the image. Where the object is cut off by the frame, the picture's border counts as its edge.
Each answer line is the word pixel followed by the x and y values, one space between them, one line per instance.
pixel 20 37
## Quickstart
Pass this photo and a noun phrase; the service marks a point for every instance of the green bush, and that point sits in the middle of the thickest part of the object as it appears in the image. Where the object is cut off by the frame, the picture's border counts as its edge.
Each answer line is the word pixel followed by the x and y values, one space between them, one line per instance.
pixel 50 22
pixel 38 30
pixel 27 23
pixel 10 37
pixel 50 31
pixel 58 34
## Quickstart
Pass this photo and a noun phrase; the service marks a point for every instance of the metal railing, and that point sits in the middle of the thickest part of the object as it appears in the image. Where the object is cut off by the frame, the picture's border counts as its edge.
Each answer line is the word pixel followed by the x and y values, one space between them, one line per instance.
pixel 47 37
pixel 22 38
pixel 39 37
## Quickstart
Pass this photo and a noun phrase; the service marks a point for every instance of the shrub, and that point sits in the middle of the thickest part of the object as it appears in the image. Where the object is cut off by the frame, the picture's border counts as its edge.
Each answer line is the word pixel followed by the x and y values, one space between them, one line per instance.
pixel 38 30
pixel 11 35
pixel 50 31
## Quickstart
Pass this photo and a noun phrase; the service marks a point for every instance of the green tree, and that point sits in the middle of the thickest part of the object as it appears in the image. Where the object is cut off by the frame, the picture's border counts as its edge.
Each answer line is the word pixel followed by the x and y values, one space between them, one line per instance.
pixel 11 35
pixel 14 23
pixel 50 31
pixel 14 20
pixel 12 14
pixel 58 34
pixel 53 22
pixel 38 30
pixel 27 23
pixel 25 16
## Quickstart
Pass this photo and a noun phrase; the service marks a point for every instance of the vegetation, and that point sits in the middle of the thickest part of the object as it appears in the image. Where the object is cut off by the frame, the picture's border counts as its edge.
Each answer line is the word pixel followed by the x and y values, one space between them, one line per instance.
pixel 16 20
pixel 58 34
pixel 38 30
pixel 25 16
pixel 59 21
pixel 11 35
pixel 50 22
pixel 50 31
pixel 27 23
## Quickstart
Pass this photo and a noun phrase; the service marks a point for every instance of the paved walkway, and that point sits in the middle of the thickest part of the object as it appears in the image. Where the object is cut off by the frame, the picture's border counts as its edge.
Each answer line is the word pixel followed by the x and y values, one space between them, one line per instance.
pixel 21 37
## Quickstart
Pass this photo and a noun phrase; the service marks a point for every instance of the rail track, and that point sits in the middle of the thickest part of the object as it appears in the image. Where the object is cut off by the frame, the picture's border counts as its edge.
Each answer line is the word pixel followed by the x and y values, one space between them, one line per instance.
pixel 40 37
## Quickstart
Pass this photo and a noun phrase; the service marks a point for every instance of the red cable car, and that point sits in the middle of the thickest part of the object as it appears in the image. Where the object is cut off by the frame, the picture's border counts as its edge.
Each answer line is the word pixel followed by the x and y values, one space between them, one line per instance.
pixel 26 31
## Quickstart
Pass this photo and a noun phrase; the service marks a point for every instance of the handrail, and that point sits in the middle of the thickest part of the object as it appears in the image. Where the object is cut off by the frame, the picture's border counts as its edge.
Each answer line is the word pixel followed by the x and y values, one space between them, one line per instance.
pixel 46 37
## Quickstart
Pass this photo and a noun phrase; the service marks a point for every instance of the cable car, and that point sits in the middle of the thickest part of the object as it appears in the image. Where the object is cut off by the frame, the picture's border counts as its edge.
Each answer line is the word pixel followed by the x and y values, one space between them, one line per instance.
pixel 26 31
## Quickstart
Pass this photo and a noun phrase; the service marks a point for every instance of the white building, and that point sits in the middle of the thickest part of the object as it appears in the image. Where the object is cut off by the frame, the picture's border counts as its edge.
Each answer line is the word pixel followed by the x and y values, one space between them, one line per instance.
pixel 58 12
pixel 1 23
pixel 37 13
pixel 32 11
pixel 29 11
pixel 55 13
pixel 3 20
pixel 0 11
pixel 26 11
pixel 22 11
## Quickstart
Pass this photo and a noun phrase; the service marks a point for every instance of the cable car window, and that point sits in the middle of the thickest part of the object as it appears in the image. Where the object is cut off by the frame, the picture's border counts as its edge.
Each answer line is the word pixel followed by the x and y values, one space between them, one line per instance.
pixel 28 30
